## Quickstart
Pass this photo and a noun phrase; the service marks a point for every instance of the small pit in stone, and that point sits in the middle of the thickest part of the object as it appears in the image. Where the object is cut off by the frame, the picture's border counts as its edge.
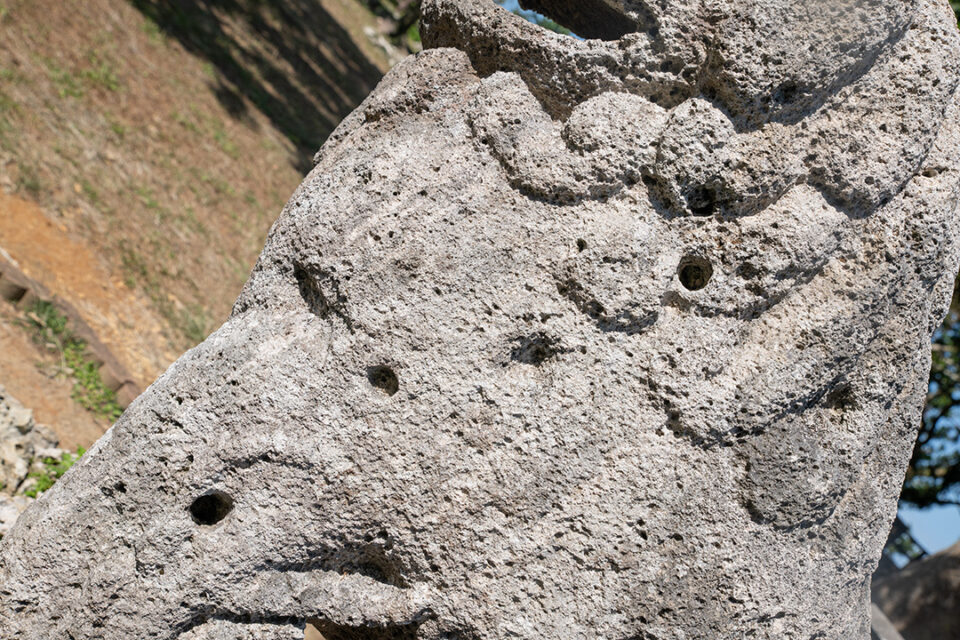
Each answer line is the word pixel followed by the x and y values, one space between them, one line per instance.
pixel 694 272
pixel 383 377
pixel 211 508
pixel 702 201
pixel 534 349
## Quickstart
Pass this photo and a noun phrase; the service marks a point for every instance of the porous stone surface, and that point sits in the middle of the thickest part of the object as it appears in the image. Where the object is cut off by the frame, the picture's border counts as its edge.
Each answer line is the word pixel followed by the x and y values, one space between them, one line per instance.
pixel 923 599
pixel 619 339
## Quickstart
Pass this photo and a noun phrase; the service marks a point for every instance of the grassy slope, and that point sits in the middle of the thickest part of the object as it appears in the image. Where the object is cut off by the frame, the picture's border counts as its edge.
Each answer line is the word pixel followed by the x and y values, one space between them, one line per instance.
pixel 166 135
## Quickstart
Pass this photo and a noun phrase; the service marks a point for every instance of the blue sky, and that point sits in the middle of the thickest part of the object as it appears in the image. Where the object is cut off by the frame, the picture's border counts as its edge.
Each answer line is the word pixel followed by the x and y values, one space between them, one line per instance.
pixel 935 528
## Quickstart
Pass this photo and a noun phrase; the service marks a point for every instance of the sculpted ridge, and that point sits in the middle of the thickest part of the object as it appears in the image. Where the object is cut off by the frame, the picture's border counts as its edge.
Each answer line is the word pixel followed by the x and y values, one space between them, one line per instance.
pixel 617 339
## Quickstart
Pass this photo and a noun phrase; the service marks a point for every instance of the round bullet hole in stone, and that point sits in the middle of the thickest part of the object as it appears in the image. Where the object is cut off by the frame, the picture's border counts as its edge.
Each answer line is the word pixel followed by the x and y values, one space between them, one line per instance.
pixel 211 508
pixel 694 272
pixel 383 378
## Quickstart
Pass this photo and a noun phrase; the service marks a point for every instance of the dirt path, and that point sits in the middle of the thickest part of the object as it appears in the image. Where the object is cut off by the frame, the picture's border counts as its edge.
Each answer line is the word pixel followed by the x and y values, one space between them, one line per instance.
pixel 26 372
pixel 121 318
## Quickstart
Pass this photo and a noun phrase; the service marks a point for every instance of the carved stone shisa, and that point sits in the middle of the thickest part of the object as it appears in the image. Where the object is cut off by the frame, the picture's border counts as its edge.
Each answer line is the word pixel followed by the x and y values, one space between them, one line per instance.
pixel 618 338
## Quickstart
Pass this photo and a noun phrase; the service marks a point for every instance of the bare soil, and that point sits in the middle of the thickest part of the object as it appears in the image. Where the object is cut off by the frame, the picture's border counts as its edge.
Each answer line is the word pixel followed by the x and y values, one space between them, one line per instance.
pixel 160 140
pixel 145 148
pixel 30 374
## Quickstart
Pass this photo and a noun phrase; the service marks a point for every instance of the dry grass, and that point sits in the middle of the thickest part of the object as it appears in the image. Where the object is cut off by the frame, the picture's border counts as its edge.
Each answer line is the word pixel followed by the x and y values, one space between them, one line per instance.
pixel 168 139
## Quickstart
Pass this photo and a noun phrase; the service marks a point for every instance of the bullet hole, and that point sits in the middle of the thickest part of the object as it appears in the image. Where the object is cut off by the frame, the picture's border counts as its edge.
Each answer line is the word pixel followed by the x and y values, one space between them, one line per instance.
pixel 211 508
pixel 581 245
pixel 694 272
pixel 383 378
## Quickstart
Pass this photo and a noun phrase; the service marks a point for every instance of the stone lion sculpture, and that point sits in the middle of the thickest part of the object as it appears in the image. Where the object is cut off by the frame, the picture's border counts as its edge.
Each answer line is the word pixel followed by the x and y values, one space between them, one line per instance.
pixel 620 338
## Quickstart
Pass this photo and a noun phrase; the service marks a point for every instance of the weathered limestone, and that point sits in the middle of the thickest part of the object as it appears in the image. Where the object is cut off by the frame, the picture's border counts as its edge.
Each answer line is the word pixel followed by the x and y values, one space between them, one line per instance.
pixel 561 339
pixel 22 440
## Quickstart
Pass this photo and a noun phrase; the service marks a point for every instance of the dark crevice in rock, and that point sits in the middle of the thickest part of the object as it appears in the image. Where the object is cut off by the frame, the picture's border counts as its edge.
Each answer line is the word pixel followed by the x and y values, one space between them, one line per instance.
pixel 332 631
pixel 321 294
pixel 590 18
pixel 620 322
pixel 217 615
pixel 535 349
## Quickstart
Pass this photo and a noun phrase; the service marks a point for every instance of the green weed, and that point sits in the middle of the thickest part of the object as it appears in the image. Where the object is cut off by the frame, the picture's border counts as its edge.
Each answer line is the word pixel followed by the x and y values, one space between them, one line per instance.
pixel 53 470
pixel 29 181
pixel 221 186
pixel 193 323
pixel 118 129
pixel 189 217
pixel 134 268
pixel 51 331
pixel 152 29
pixel 74 84
pixel 186 122
pixel 7 103
pixel 148 198
pixel 101 74
pixel 89 191
pixel 413 33
pixel 223 141
pixel 66 83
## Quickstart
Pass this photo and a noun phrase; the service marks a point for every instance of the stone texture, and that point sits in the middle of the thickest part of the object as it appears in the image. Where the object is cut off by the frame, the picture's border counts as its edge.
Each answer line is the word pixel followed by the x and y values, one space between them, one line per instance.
pixel 923 600
pixel 22 441
pixel 560 339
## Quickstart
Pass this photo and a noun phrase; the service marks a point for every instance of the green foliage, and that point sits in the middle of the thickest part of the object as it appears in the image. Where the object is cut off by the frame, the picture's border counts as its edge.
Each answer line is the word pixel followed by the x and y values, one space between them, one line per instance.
pixel 148 198
pixel 52 331
pixel 53 470
pixel 933 477
pixel 29 180
pixel 93 196
pixel 8 107
pixel 67 84
pixel 7 103
pixel 100 74
pixel 186 122
pixel 75 84
pixel 152 30
pixel 193 323
pixel 413 33
pixel 223 141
